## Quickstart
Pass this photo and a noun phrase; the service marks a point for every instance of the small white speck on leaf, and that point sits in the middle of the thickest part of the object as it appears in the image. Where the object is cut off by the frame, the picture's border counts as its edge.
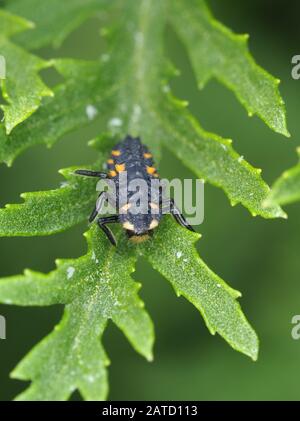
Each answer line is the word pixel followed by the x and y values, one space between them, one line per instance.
pixel 94 257
pixel 70 272
pixel 63 184
pixel 105 58
pixel 139 38
pixel 241 158
pixel 91 111
pixel 179 254
pixel 136 113
pixel 115 122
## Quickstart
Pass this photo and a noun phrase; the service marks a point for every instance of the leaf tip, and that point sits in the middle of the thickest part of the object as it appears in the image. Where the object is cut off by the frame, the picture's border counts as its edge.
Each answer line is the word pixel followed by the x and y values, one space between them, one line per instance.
pixel 65 172
pixel 30 24
pixel 149 356
pixel 237 293
pixel 270 202
pixel 9 162
pixel 254 351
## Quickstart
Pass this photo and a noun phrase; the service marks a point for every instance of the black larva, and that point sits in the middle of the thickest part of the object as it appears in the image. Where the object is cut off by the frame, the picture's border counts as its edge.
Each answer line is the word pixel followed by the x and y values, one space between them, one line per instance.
pixel 132 156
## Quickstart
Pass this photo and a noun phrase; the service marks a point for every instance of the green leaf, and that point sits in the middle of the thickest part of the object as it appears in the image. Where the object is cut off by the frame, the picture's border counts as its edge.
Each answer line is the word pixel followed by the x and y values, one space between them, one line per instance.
pixel 128 94
pixel 23 88
pixel 95 288
pixel 129 90
pixel 286 188
pixel 53 119
pixel 173 254
pixel 71 357
pixel 227 169
pixel 55 22
pixel 216 52
pixel 49 212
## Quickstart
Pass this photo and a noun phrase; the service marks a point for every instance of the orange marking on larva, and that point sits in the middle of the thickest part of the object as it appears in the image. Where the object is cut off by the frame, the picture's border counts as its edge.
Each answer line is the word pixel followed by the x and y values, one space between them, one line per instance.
pixel 110 161
pixel 151 170
pixel 153 224
pixel 112 173
pixel 128 226
pixel 116 153
pixel 120 167
pixel 147 155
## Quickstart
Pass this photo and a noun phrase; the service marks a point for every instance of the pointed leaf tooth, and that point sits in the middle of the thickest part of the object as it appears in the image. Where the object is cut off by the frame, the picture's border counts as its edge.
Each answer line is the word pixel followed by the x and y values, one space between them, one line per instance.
pixel 221 54
pixel 215 300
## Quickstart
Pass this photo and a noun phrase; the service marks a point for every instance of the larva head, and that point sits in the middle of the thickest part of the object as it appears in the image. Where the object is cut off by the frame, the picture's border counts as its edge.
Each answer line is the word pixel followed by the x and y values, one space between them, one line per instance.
pixel 139 227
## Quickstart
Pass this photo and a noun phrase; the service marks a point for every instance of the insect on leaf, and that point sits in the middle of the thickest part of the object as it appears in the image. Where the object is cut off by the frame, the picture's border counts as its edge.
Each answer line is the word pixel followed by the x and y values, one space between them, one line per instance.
pixel 128 90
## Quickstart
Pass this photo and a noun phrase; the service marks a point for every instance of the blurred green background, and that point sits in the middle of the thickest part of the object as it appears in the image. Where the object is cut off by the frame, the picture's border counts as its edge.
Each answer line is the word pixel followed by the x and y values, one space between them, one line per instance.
pixel 258 257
